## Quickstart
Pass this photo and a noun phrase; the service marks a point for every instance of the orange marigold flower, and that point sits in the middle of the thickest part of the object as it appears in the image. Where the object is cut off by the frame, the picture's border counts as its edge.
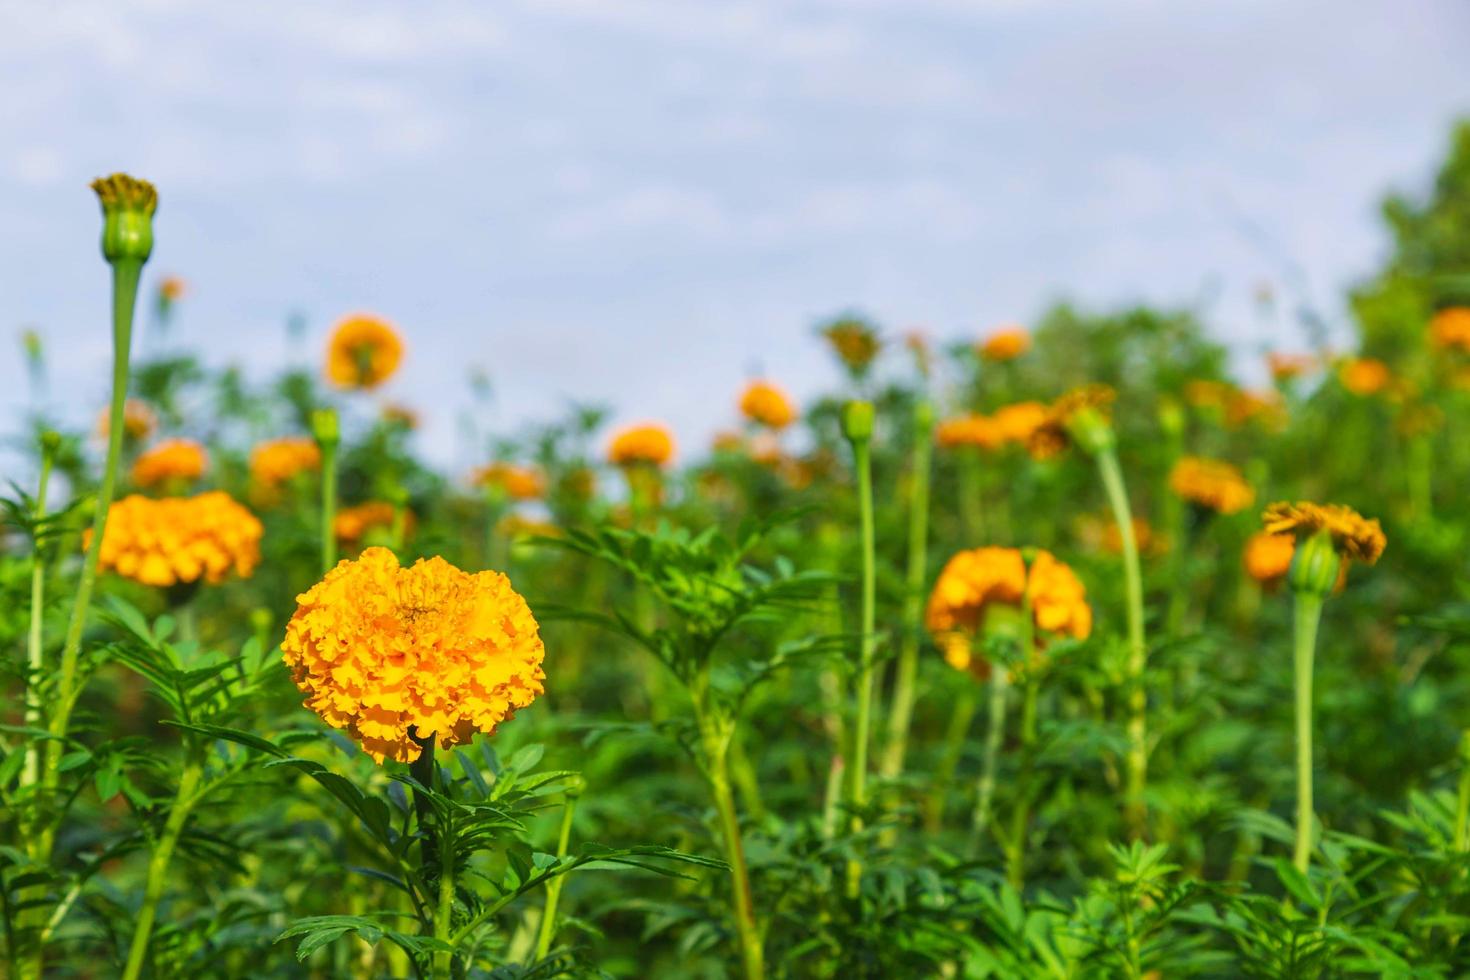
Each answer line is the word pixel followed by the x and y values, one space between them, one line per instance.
pixel 1211 483
pixel 179 539
pixel 277 461
pixel 1450 327
pixel 854 341
pixel 650 444
pixel 363 353
pixel 1144 538
pixel 172 459
pixel 1284 367
pixel 172 289
pixel 1207 393
pixel 1267 556
pixel 516 482
pixel 1053 435
pixel 391 654
pixel 1005 344
pixel 138 421
pixel 1248 406
pixel 353 522
pixel 1364 375
pixel 974 582
pixel 767 405
pixel 1354 536
pixel 1015 423
pixel 972 430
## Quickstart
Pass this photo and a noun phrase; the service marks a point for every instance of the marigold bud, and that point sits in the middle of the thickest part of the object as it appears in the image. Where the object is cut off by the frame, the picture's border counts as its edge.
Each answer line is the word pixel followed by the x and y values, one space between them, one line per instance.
pixel 1092 431
pixel 127 217
pixel 857 421
pixel 1315 568
pixel 325 427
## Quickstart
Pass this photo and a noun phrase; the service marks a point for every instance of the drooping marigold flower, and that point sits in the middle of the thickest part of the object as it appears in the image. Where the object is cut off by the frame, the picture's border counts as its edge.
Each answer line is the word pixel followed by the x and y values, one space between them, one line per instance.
pixel 278 461
pixel 1450 328
pixel 354 522
pixel 854 341
pixel 1006 344
pixel 172 460
pixel 1053 435
pixel 650 444
pixel 179 539
pixel 139 421
pixel 1267 556
pixel 765 404
pixel 975 582
pixel 1211 483
pixel 972 431
pixel 363 353
pixel 391 654
pixel 516 482
pixel 1285 366
pixel 1364 375
pixel 1353 535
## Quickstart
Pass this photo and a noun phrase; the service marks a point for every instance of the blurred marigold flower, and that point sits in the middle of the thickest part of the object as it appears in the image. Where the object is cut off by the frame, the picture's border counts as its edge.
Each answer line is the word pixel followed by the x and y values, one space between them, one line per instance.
pixel 397 414
pixel 649 444
pixel 354 522
pixel 363 353
pixel 516 482
pixel 1005 344
pixel 975 582
pixel 1450 328
pixel 1267 557
pixel 1053 435
pixel 1208 394
pixel 172 289
pixel 391 654
pixel 855 342
pixel 1016 422
pixel 1211 483
pixel 972 431
pixel 179 539
pixel 726 441
pixel 277 461
pixel 1364 375
pixel 1101 533
pixel 767 405
pixel 1285 366
pixel 169 461
pixel 139 421
pixel 1353 535
pixel 1249 406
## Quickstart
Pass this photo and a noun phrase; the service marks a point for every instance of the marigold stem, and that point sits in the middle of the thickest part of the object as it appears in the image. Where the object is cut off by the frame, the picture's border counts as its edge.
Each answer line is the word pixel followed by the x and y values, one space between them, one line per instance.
pixel 329 505
pixel 1307 615
pixel 858 798
pixel 158 863
pixel 547 931
pixel 35 661
pixel 1462 809
pixel 995 726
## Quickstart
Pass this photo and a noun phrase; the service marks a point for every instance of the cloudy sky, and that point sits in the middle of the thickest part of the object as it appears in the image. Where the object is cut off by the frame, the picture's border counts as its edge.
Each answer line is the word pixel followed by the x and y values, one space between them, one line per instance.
pixel 644 201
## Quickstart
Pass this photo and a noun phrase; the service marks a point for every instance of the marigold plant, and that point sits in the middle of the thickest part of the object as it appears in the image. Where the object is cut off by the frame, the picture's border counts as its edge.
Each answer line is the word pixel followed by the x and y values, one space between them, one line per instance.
pixel 139 421
pixel 1364 375
pixel 516 482
pixel 1052 435
pixel 765 404
pixel 1005 344
pixel 277 461
pixel 1450 328
pixel 352 523
pixel 363 353
pixel 1353 535
pixel 650 444
pixel 397 656
pixel 1267 556
pixel 1211 483
pixel 180 539
pixel 173 460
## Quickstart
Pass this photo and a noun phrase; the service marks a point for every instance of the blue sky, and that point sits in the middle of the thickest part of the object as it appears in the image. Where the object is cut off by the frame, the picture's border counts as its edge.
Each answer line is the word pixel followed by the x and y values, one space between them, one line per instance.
pixel 643 201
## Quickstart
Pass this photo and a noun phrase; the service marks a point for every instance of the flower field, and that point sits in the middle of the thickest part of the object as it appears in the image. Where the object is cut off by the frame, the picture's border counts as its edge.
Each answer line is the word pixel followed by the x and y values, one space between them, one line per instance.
pixel 1076 650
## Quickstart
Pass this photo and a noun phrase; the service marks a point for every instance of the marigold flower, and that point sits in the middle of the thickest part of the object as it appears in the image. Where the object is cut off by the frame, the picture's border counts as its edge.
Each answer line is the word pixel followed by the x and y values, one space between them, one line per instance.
pixel 726 441
pixel 172 289
pixel 128 205
pixel 179 539
pixel 854 341
pixel 1284 366
pixel 353 522
pixel 974 582
pixel 649 444
pixel 277 461
pixel 1353 535
pixel 396 414
pixel 972 430
pixel 1250 406
pixel 363 353
pixel 1364 375
pixel 767 405
pixel 1211 483
pixel 1450 328
pixel 139 421
pixel 1005 344
pixel 1016 422
pixel 391 654
pixel 1053 435
pixel 1267 556
pixel 170 460
pixel 1208 393
pixel 516 482
pixel 1103 533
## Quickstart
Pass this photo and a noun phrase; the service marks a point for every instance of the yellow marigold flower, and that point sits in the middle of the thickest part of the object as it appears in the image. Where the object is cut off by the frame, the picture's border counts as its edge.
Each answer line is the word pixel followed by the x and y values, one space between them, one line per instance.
pixel 1364 375
pixel 1211 483
pixel 651 444
pixel 363 353
pixel 353 522
pixel 520 526
pixel 767 405
pixel 973 431
pixel 277 461
pixel 138 421
pixel 1052 436
pixel 976 581
pixel 1206 393
pixel 391 653
pixel 1267 556
pixel 170 460
pixel 854 341
pixel 179 539
pixel 516 482
pixel 1353 535
pixel 1284 366
pixel 1249 406
pixel 1005 344
pixel 172 289
pixel 1016 422
pixel 1450 328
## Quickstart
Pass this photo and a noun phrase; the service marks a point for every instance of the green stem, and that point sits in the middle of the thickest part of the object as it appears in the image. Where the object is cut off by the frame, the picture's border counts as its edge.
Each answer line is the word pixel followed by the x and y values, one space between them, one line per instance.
pixel 547 931
pixel 858 799
pixel 949 760
pixel 163 853
pixel 1308 614
pixel 1137 760
pixel 35 661
pixel 994 734
pixel 901 711
pixel 1462 809
pixel 444 915
pixel 1021 816
pixel 329 505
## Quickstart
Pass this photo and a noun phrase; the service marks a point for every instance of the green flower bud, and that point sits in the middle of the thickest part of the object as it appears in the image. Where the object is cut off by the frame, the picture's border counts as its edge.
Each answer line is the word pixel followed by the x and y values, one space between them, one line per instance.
pixel 923 416
pixel 1091 430
pixel 325 428
pixel 261 620
pixel 576 786
pixel 50 443
pixel 857 421
pixel 1171 417
pixel 1315 567
pixel 127 217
